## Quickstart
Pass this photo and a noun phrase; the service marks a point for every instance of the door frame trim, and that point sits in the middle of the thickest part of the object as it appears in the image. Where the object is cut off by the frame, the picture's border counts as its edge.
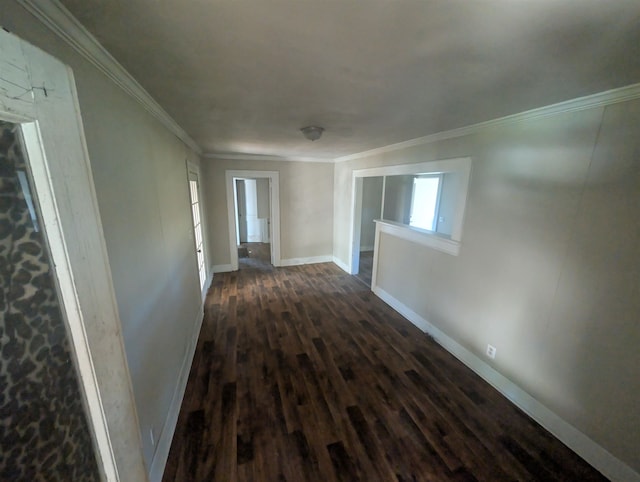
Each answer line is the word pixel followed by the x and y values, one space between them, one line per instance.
pixel 193 168
pixel 63 186
pixel 274 201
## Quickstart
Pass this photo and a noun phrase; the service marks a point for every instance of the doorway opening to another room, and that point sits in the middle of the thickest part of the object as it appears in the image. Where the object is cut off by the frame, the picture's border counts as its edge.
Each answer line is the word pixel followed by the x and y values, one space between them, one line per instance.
pixel 423 203
pixel 370 193
pixel 254 218
pixel 253 222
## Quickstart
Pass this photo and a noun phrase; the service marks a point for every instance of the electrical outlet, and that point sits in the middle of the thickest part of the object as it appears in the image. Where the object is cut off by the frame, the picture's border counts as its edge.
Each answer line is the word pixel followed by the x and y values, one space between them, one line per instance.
pixel 152 437
pixel 491 351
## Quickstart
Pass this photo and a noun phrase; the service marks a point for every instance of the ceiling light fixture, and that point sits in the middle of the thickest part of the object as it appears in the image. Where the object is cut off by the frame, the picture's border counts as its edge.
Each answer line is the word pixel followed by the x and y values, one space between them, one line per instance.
pixel 313 133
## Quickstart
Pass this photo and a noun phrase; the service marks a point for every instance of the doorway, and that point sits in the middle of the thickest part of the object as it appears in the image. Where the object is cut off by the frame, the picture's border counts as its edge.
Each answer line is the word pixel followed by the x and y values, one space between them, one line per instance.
pixel 369 195
pixel 253 222
pixel 253 202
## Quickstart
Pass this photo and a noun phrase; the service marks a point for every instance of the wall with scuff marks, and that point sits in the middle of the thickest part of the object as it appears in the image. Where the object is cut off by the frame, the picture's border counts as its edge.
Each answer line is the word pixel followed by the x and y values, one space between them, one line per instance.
pixel 141 185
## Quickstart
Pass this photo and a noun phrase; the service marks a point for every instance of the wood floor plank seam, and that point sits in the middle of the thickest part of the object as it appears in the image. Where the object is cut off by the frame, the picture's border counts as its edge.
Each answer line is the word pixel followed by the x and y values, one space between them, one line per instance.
pixel 302 374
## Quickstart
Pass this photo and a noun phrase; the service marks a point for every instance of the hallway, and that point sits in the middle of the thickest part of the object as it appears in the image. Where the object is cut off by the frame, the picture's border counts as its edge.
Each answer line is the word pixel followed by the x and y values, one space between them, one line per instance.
pixel 254 255
pixel 302 374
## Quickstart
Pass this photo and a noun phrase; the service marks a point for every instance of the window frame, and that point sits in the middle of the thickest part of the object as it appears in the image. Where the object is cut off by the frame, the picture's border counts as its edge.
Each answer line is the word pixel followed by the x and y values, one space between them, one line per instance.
pixel 436 209
pixel 204 277
pixel 447 244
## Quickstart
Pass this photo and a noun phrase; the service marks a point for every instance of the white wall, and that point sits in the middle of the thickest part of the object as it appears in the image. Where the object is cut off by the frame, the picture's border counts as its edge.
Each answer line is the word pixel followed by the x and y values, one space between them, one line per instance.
pixel 448 201
pixel 306 207
pixel 397 198
pixel 263 198
pixel 549 268
pixel 141 184
pixel 371 209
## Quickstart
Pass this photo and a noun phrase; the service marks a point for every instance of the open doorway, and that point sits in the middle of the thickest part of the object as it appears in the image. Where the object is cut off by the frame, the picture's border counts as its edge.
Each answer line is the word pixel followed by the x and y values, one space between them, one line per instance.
pixel 369 193
pixel 253 222
pixel 253 203
pixel 422 202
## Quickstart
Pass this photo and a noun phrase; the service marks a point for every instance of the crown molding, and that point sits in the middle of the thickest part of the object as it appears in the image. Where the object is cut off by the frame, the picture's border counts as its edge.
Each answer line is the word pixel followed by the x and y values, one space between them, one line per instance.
pixel 600 99
pixel 237 156
pixel 59 20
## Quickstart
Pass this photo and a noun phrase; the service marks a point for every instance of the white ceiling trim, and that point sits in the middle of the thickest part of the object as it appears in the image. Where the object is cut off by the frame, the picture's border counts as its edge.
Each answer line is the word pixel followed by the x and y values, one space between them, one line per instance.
pixel 57 18
pixel 600 99
pixel 261 157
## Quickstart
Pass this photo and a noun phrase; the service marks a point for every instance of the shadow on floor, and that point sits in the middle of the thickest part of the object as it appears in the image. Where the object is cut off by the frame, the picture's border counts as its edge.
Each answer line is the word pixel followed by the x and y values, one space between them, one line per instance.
pixel 366 267
pixel 254 256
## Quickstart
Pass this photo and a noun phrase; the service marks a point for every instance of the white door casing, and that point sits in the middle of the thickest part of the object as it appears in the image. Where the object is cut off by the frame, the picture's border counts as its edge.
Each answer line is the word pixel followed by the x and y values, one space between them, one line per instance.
pixel 274 204
pixel 241 206
pixel 195 198
pixel 38 92
pixel 263 208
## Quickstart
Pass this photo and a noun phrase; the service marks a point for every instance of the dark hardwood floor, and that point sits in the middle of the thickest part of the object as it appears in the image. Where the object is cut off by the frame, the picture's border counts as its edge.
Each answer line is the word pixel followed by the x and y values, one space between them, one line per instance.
pixel 254 255
pixel 365 270
pixel 302 374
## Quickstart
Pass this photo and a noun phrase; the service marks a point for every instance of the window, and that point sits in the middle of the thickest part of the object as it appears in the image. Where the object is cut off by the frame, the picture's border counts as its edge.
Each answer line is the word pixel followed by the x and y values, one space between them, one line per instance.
pixel 427 201
pixel 197 227
pixel 424 202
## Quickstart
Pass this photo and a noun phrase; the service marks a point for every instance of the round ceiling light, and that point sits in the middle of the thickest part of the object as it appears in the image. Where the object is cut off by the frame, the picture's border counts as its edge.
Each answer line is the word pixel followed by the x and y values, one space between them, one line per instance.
pixel 313 133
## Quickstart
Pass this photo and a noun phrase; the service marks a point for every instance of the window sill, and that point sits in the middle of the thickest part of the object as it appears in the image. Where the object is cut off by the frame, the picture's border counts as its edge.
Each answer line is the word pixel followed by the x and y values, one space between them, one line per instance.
pixel 418 236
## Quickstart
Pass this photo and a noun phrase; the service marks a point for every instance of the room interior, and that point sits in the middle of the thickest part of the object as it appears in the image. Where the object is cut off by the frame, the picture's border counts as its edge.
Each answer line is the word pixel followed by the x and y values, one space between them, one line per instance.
pixel 541 99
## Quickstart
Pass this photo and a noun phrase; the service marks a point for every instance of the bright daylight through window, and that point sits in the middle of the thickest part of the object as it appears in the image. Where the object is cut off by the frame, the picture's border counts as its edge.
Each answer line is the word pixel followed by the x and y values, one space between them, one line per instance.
pixel 424 202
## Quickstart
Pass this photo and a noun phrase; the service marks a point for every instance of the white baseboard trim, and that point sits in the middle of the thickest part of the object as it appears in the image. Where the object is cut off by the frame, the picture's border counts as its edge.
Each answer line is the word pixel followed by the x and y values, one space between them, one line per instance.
pixel 309 260
pixel 207 284
pixel 222 268
pixel 609 465
pixel 341 264
pixel 161 453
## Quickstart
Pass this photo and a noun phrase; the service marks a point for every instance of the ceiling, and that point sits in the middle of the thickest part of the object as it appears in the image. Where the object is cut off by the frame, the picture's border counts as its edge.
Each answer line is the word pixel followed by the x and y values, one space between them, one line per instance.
pixel 243 76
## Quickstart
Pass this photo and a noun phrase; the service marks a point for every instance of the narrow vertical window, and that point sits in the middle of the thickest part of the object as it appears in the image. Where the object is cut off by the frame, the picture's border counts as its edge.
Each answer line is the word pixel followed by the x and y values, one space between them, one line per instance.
pixel 197 227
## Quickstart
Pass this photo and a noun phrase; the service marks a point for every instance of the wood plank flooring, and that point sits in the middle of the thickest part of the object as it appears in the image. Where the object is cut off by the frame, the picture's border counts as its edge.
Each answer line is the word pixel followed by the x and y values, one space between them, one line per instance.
pixel 302 374
pixel 256 255
pixel 365 270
